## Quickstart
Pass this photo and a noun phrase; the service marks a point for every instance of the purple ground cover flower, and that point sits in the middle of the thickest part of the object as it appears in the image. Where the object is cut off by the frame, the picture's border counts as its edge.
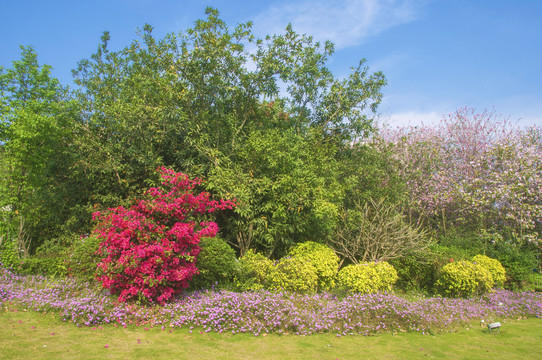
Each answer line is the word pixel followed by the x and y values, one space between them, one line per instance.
pixel 265 312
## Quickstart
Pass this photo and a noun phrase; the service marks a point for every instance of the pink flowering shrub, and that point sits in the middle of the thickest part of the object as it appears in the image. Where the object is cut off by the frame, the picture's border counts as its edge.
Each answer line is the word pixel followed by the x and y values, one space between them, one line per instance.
pixel 149 250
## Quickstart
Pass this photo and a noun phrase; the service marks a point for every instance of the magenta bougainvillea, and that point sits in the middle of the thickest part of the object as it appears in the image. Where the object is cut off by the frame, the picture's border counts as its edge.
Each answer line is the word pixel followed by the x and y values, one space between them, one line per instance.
pixel 149 250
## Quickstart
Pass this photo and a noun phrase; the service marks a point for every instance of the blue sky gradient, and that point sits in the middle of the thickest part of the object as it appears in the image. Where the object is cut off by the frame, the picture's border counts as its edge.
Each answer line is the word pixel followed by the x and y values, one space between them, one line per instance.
pixel 438 55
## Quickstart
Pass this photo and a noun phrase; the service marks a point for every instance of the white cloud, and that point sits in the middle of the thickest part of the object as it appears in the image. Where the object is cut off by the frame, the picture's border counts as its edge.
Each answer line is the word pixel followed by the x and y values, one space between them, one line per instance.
pixel 344 22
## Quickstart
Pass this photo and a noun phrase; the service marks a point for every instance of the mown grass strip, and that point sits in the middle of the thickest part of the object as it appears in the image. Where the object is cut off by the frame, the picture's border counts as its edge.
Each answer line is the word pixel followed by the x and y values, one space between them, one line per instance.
pixel 31 335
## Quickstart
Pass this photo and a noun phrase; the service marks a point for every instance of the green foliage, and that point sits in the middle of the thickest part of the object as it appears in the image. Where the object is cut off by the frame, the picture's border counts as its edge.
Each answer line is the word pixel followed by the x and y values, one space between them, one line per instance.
pixel 519 262
pixel 82 258
pixel 534 282
pixel 415 273
pixel 37 119
pixel 293 274
pixel 216 264
pixel 254 272
pixel 367 278
pixel 323 259
pixel 495 268
pixel 464 278
pixel 9 256
pixel 288 274
pixel 50 259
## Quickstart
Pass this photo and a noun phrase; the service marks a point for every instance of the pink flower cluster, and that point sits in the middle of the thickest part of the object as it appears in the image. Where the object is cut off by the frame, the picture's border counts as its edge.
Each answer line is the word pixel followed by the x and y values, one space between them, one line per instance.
pixel 151 248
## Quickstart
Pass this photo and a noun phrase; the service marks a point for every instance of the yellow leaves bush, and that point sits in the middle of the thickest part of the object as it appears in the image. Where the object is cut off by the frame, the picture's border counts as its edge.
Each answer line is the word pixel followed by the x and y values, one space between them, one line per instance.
pixel 367 278
pixel 464 278
pixel 494 267
pixel 324 260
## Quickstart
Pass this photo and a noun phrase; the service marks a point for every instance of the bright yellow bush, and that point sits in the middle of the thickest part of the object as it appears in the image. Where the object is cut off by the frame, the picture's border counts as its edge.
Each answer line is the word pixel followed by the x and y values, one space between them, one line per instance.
pixel 324 260
pixel 464 278
pixel 293 274
pixel 255 271
pixel 494 267
pixel 367 278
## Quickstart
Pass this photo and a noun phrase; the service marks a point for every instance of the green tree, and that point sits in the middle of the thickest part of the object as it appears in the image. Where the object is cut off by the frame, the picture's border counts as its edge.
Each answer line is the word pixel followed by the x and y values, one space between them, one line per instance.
pixel 36 134
pixel 264 120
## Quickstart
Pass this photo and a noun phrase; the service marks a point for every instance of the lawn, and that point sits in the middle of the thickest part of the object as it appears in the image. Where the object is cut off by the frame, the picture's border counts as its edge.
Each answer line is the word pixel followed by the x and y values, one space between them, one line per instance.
pixel 32 335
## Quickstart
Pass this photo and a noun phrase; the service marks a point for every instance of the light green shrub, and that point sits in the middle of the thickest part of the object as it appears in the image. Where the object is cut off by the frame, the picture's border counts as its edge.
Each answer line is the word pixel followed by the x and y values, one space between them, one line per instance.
pixel 367 278
pixel 495 268
pixel 216 264
pixel 293 274
pixel 255 272
pixel 464 278
pixel 324 260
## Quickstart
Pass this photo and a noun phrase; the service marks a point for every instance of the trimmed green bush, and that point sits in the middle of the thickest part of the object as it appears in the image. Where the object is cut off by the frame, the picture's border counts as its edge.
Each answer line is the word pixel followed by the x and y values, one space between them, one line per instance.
pixel 464 278
pixel 216 264
pixel 495 268
pixel 294 274
pixel 324 260
pixel 367 278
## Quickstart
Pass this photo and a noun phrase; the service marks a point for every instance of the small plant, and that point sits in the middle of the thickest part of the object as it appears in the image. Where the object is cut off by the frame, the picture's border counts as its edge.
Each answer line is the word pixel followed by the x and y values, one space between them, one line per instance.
pixel 323 259
pixel 149 250
pixel 367 278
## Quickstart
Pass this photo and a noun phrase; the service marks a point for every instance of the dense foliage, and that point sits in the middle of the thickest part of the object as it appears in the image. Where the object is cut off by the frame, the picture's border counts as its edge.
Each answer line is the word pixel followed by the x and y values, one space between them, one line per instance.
pixel 266 122
pixel 367 278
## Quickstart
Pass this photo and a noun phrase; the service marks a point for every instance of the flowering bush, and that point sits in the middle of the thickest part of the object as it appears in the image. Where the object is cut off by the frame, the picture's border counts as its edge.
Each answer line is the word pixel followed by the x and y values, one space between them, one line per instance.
pixel 464 278
pixel 494 267
pixel 324 260
pixel 150 249
pixel 367 278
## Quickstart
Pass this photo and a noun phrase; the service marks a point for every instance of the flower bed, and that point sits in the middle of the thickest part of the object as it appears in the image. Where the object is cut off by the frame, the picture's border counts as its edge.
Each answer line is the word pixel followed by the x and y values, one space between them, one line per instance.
pixel 266 312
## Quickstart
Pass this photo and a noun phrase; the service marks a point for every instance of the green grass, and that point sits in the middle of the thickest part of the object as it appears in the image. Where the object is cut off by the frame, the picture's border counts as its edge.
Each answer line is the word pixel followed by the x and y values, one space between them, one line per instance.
pixel 29 335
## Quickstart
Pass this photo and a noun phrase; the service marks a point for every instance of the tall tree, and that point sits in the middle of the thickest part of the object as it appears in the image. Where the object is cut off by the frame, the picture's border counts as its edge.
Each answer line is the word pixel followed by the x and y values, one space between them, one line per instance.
pixel 36 133
pixel 218 103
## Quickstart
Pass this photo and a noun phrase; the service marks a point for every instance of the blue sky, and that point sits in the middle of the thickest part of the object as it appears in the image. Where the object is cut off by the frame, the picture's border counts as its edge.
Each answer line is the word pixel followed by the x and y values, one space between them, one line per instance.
pixel 438 55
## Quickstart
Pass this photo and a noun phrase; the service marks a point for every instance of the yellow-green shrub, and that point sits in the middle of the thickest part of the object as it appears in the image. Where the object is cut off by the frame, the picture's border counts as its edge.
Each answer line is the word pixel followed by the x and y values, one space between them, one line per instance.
pixel 324 260
pixel 367 277
pixel 255 272
pixel 494 267
pixel 293 274
pixel 464 278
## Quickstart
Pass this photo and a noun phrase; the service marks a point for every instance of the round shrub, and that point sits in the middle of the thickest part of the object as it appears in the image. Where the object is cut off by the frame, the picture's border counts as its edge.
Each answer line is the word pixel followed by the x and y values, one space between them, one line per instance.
pixel 323 259
pixel 367 278
pixel 295 275
pixel 464 278
pixel 216 264
pixel 495 268
pixel 255 271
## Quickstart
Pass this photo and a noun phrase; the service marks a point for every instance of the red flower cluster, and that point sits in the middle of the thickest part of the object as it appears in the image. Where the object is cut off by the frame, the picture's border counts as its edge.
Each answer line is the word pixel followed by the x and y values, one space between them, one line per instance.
pixel 150 249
